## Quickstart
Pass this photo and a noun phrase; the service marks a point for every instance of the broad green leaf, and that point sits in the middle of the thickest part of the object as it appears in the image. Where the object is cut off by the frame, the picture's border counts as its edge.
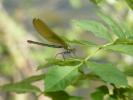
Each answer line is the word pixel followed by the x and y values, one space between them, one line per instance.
pixel 130 3
pixel 61 95
pixel 19 88
pixel 122 48
pixel 58 78
pixel 95 27
pixel 113 25
pixel 108 73
pixel 59 62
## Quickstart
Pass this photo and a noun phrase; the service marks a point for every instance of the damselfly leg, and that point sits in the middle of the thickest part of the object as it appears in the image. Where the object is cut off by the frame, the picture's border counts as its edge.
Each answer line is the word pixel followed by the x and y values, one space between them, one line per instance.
pixel 70 52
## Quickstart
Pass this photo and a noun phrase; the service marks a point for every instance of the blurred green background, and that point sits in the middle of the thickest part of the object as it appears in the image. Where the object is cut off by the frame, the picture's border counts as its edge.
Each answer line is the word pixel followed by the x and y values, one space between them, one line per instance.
pixel 19 60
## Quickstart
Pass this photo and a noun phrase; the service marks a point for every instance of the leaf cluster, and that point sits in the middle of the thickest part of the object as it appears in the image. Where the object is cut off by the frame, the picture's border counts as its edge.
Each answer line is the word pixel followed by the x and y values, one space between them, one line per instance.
pixel 62 74
pixel 129 2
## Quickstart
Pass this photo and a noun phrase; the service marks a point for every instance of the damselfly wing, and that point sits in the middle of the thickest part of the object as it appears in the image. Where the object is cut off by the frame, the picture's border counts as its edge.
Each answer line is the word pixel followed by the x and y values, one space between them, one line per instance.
pixel 50 36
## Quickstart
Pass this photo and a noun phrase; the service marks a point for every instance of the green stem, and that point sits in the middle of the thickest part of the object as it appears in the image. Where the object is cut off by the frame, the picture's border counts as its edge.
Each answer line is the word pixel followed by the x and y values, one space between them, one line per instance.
pixel 88 57
pixel 91 55
pixel 98 49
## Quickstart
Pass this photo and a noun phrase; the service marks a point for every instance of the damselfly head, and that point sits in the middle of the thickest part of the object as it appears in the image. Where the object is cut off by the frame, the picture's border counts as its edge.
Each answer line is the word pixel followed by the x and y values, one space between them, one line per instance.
pixel 50 36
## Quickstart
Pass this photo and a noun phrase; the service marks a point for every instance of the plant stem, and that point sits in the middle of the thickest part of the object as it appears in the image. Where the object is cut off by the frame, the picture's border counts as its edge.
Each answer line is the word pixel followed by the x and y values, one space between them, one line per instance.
pixel 98 49
pixel 88 57
pixel 91 55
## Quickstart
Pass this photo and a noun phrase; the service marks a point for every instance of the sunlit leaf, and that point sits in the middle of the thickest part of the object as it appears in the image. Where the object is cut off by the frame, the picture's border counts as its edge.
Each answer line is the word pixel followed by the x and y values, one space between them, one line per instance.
pixel 59 62
pixel 58 78
pixel 95 27
pixel 122 48
pixel 122 45
pixel 19 88
pixel 108 73
pixel 124 41
pixel 113 25
pixel 96 1
pixel 130 3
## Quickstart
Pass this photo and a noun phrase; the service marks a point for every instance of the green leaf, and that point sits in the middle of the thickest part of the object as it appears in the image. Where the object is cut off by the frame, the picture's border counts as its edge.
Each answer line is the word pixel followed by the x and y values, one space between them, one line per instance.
pixel 59 62
pixel 108 73
pixel 96 1
pixel 129 71
pixel 127 30
pixel 75 98
pixel 119 92
pixel 115 27
pixel 76 3
pixel 112 98
pixel 24 85
pixel 19 88
pixel 83 42
pixel 103 89
pixel 34 78
pixel 95 27
pixel 61 95
pixel 99 93
pixel 123 48
pixel 58 78
pixel 124 41
pixel 130 3
pixel 58 95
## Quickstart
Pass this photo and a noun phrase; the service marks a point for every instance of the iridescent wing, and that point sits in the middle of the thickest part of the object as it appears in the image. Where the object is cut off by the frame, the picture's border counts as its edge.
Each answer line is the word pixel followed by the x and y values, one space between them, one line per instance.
pixel 47 33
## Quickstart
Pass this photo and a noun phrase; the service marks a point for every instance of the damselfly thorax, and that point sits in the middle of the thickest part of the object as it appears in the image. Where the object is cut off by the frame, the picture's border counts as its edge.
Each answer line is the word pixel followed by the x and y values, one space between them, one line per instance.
pixel 50 36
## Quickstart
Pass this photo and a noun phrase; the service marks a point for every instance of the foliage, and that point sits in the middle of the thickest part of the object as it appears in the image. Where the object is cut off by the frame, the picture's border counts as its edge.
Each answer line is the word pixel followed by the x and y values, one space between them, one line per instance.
pixel 64 73
pixel 96 1
pixel 129 2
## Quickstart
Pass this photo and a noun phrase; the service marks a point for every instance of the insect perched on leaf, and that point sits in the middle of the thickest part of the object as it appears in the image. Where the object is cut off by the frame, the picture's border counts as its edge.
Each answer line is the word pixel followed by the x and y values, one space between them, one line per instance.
pixel 49 35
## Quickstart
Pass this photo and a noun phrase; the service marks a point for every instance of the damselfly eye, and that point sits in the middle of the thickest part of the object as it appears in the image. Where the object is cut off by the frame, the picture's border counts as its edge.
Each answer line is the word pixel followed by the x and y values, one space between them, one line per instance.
pixel 50 36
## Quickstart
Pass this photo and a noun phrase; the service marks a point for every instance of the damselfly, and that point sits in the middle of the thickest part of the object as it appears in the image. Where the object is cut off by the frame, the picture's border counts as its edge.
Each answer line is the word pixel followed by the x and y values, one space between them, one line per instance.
pixel 49 35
